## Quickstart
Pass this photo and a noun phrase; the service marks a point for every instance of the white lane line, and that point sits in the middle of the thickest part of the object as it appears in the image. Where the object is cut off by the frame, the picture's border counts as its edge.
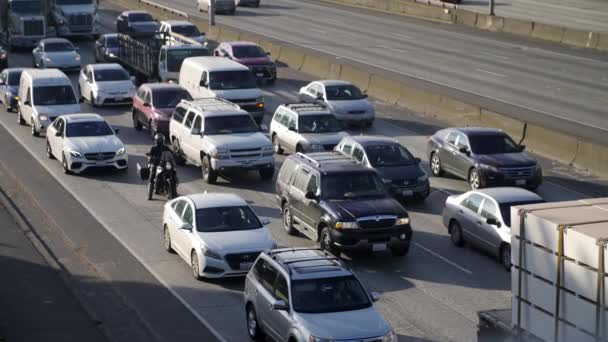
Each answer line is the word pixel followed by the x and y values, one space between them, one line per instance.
pixel 317 30
pixel 402 36
pixel 495 56
pixel 449 262
pixel 490 72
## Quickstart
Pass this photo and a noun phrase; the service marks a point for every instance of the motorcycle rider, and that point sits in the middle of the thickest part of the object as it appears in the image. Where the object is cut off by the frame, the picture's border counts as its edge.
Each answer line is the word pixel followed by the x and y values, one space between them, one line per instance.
pixel 156 153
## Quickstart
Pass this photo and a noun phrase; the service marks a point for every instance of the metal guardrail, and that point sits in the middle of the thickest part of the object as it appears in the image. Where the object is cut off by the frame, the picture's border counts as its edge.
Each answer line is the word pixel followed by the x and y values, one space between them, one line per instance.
pixel 165 8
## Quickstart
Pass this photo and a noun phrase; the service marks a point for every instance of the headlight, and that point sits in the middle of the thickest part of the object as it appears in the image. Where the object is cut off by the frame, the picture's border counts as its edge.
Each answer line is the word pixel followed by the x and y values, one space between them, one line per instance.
pixel 43 117
pixel 220 154
pixel 390 337
pixel 76 154
pixel 347 225
pixel 3 55
pixel 210 254
pixel 111 55
pixel 121 151
pixel 423 178
pixel 260 102
pixel 402 220
pixel 77 57
pixel 386 181
pixel 48 59
pixel 488 168
pixel 316 147
pixel 168 166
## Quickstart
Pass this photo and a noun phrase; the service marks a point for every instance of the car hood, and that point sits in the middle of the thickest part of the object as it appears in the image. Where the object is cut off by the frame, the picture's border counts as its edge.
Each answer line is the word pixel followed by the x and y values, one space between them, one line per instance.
pixel 237 94
pixel 347 325
pixel 240 140
pixel 62 57
pixel 106 143
pixel 144 26
pixel 520 159
pixel 324 138
pixel 240 240
pixel 344 106
pixel 254 61
pixel 77 9
pixel 350 210
pixel 58 109
pixel 116 86
pixel 402 172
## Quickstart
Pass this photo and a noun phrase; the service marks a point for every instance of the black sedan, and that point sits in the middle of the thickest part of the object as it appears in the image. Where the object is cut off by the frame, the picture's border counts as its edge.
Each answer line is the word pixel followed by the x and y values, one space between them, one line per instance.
pixel 136 22
pixel 106 48
pixel 485 157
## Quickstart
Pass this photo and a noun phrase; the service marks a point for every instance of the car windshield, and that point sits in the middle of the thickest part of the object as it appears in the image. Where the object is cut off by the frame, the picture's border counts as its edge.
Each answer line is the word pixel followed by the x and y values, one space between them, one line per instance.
pixel 389 155
pixel 352 185
pixel 230 124
pixel 58 47
pixel 247 51
pixel 505 209
pixel 319 124
pixel 140 17
pixel 328 295
pixel 26 7
pixel 343 92
pixel 226 80
pixel 13 78
pixel 169 98
pixel 108 75
pixel 88 129
pixel 112 41
pixel 54 95
pixel 224 219
pixel 186 30
pixel 175 57
pixel 492 144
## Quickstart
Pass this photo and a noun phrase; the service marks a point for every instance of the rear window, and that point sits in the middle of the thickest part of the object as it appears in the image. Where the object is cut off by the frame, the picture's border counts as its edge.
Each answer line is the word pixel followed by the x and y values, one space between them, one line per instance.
pixel 139 17
pixel 169 98
pixel 112 41
pixel 178 114
pixel 505 209
pixel 288 167
pixel 186 30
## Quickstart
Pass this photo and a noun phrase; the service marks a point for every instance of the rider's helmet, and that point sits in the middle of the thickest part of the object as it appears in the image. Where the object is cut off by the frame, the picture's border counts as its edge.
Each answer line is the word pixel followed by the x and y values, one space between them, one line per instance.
pixel 159 139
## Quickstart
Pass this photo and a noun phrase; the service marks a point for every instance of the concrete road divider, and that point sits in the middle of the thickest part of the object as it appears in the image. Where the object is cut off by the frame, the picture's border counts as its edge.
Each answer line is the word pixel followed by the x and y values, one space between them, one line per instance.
pixel 334 71
pixel 518 27
pixel 250 38
pixel 489 22
pixel 384 89
pixel 355 75
pixel 593 157
pixel 513 127
pixel 466 18
pixel 578 38
pixel 549 143
pixel 293 57
pixel 227 35
pixel 316 65
pixel 419 100
pixel 548 32
pixel 457 113
pixel 272 47
pixel 602 42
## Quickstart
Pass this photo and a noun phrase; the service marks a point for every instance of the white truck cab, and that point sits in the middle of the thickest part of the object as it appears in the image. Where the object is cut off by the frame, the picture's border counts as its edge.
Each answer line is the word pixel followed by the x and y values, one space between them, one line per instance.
pixel 44 95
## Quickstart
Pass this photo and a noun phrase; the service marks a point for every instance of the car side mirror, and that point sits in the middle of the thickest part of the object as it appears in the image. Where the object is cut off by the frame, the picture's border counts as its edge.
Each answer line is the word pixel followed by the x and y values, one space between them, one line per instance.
pixel 268 53
pixel 186 226
pixel 117 131
pixel 418 160
pixel 27 103
pixel 365 96
pixel 146 104
pixel 375 296
pixel 310 195
pixel 464 150
pixel 265 221
pixel 291 128
pixel 522 148
pixel 493 222
pixel 58 134
pixel 264 128
pixel 280 305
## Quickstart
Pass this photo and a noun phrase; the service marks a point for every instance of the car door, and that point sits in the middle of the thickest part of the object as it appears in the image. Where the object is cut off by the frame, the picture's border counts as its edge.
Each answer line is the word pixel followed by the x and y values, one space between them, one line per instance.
pixel 297 200
pixel 187 238
pixel 311 209
pixel 82 82
pixel 174 222
pixel 98 45
pixel 358 155
pixel 265 298
pixel 52 139
pixel 489 232
pixel 3 85
pixel 185 140
pixel 461 160
pixel 281 319
pixel 194 137
pixel 145 115
pixel 26 107
pixel 447 151
pixel 291 135
pixel 469 218
pixel 36 52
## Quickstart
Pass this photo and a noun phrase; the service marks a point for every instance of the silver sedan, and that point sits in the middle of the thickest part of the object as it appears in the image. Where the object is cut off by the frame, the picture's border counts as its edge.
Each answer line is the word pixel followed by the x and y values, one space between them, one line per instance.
pixel 483 218
pixel 56 53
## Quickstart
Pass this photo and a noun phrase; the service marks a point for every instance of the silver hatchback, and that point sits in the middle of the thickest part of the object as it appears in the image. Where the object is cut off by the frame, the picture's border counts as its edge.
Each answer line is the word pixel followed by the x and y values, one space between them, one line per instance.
pixel 309 295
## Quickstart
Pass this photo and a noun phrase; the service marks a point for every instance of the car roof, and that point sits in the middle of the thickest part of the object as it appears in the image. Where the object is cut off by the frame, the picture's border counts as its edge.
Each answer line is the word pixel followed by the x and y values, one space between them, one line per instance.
pixel 241 43
pixel 216 63
pixel 177 22
pixel 135 12
pixel 307 108
pixel 476 130
pixel 216 199
pixel 334 82
pixel 510 194
pixel 369 140
pixel 308 263
pixel 329 162
pixel 82 117
pixel 51 75
pixel 106 66
pixel 11 70
pixel 110 34
pixel 54 40
pixel 214 107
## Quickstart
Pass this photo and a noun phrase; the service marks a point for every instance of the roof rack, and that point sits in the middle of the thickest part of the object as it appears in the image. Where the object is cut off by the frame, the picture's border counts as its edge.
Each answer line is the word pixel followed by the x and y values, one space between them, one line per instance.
pixel 306 105
pixel 302 155
pixel 286 263
pixel 200 102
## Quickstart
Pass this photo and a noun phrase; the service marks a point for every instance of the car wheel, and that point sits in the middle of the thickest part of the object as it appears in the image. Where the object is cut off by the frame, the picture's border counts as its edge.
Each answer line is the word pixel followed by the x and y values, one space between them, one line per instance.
pixel 167 240
pixel 436 165
pixel 136 124
pixel 64 163
pixel 456 234
pixel 327 242
pixel 177 152
pixel 93 100
pixel 299 149
pixel 288 220
pixel 253 328
pixel 505 257
pixel 20 118
pixel 35 133
pixel 49 153
pixel 277 145
pixel 194 264
pixel 474 179
pixel 399 251
pixel 209 175
pixel 267 173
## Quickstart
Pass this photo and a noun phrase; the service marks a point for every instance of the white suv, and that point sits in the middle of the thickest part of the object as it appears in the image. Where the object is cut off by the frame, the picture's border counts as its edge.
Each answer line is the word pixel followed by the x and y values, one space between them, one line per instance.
pixel 305 127
pixel 219 136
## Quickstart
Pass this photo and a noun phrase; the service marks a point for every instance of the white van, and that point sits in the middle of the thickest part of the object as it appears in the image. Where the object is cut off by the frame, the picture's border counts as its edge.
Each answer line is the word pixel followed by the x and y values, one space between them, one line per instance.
pixel 44 95
pixel 206 77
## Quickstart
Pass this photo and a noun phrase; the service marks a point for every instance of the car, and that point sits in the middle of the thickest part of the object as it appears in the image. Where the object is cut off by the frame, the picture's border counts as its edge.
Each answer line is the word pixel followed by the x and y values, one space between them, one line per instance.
pixel 105 84
pixel 9 87
pixel 251 3
pixel 304 127
pixel 399 169
pixel 85 141
pixel 221 6
pixel 218 136
pixel 329 198
pixel 3 58
pixel 485 157
pixel 217 234
pixel 106 48
pixel 343 99
pixel 184 28
pixel 250 55
pixel 482 218
pixel 153 105
pixel 57 53
pixel 136 22
pixel 309 295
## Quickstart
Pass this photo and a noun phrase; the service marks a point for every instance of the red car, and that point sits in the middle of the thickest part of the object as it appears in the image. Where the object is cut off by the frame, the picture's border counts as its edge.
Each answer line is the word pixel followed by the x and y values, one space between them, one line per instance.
pixel 153 105
pixel 250 55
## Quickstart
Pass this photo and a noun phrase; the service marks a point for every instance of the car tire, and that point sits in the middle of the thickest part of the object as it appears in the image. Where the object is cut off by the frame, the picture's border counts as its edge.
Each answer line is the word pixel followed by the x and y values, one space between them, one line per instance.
pixel 93 100
pixel 400 251
pixel 299 149
pixel 277 145
pixel 167 240
pixel 209 175
pixel 194 266
pixel 177 152
pixel 136 124
pixel 474 179
pixel 505 257
pixel 253 327
pixel 64 164
pixel 49 152
pixel 20 118
pixel 456 234
pixel 267 173
pixel 288 220
pixel 436 165
pixel 327 242
pixel 35 133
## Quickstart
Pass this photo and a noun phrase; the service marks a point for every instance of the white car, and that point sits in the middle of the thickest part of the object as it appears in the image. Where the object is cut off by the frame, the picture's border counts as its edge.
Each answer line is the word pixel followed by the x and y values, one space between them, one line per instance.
pixel 83 141
pixel 218 234
pixel 184 28
pixel 107 83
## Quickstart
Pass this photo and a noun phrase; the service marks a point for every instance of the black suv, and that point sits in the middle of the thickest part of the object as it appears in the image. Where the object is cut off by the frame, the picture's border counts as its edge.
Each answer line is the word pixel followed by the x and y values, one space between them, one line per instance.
pixel 343 205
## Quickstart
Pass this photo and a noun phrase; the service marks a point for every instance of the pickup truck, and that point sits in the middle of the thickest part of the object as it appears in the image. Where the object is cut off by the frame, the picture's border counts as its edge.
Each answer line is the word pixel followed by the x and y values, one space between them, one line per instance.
pixel 157 57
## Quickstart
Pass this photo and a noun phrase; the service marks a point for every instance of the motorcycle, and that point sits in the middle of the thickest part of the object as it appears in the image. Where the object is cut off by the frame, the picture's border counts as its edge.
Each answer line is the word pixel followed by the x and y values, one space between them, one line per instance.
pixel 165 176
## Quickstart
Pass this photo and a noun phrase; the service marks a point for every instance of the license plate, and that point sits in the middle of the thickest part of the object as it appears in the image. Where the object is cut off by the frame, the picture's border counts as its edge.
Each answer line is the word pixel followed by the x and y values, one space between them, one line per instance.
pixel 379 247
pixel 245 266
pixel 407 192
pixel 520 182
pixel 260 74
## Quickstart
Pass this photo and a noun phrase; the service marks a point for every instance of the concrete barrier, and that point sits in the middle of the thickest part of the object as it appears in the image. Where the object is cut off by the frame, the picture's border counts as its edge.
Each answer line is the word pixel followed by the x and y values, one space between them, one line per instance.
pixel 418 100
pixel 518 27
pixel 316 65
pixel 602 42
pixel 513 127
pixel 228 35
pixel 457 113
pixel 466 18
pixel 579 38
pixel 334 71
pixel 593 157
pixel 489 22
pixel 293 57
pixel 358 77
pixel 250 38
pixel 384 89
pixel 273 48
pixel 548 32
pixel 558 146
pixel 429 12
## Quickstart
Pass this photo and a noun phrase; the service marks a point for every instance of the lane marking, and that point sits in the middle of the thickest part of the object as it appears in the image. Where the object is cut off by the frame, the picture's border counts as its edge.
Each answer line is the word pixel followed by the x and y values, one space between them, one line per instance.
pixel 490 72
pixel 449 262
pixel 495 56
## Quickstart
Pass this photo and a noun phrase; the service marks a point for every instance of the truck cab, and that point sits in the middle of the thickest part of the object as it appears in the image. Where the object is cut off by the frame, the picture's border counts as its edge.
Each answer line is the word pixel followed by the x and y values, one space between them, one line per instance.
pixel 75 17
pixel 22 22
pixel 171 57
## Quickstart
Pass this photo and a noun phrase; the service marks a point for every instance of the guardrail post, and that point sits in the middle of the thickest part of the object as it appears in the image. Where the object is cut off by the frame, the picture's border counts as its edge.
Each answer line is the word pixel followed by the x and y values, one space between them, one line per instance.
pixel 491 3
pixel 211 12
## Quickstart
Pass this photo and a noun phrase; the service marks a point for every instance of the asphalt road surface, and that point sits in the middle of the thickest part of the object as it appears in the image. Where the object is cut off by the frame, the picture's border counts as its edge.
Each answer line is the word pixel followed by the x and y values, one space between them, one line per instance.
pixel 551 83
pixel 432 294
